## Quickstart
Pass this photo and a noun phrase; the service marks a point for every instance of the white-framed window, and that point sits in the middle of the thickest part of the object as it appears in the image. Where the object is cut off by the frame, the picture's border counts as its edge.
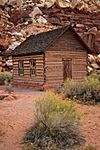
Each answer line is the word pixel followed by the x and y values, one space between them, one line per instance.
pixel 21 68
pixel 32 68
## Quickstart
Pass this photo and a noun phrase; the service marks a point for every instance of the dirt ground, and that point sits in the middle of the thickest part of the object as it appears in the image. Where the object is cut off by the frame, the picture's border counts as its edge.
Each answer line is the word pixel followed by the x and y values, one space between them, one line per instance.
pixel 90 124
pixel 17 115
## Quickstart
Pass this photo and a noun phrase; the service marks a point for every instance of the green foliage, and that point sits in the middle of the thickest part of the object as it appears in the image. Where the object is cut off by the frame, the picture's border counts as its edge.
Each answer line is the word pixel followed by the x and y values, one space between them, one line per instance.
pixel 87 92
pixel 95 75
pixel 55 126
pixel 5 78
pixel 67 90
pixel 52 111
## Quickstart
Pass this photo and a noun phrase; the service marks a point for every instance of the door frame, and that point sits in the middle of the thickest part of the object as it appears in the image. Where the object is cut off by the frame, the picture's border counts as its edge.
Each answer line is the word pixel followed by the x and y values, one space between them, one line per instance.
pixel 69 60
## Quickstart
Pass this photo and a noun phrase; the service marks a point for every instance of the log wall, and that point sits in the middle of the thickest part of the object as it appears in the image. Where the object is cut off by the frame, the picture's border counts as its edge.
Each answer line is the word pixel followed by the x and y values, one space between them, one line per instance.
pixel 54 66
pixel 49 67
pixel 66 47
pixel 27 80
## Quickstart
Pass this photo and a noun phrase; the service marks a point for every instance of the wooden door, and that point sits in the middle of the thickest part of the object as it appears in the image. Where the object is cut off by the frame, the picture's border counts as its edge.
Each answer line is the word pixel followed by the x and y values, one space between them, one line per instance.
pixel 67 68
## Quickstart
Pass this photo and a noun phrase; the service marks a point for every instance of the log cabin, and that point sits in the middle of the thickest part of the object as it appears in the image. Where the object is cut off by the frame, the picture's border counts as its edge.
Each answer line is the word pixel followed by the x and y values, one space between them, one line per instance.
pixel 47 59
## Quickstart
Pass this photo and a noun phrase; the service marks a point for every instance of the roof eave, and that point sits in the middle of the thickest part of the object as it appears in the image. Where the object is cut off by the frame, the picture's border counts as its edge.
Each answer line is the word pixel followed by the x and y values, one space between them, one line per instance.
pixel 32 53
pixel 89 50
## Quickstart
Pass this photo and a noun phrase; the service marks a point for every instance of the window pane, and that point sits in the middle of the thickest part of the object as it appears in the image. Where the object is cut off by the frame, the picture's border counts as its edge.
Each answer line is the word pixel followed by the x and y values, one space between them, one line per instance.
pixel 32 67
pixel 21 68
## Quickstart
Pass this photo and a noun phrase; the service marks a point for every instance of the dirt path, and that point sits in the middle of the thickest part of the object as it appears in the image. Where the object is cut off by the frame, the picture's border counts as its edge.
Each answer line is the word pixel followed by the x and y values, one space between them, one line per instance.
pixel 90 124
pixel 15 118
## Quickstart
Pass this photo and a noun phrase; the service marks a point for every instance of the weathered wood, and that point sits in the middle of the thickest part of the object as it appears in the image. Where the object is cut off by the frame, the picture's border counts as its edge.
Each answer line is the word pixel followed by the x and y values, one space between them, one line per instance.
pixel 66 57
pixel 67 69
pixel 27 79
pixel 69 40
pixel 54 65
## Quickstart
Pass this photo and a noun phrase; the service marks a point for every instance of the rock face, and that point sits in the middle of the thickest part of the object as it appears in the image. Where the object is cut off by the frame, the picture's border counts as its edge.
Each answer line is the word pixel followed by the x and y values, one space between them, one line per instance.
pixel 20 18
pixel 93 63
pixel 2 2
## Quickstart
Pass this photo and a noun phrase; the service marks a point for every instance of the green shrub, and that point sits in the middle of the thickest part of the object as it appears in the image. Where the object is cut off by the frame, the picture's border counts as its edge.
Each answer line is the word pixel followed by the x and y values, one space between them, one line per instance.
pixel 5 78
pixel 90 90
pixel 86 92
pixel 68 89
pixel 52 111
pixel 55 124
pixel 95 75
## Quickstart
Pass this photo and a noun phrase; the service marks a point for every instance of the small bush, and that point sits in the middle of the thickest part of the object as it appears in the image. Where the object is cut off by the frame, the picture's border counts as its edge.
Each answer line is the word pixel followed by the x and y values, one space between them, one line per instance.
pixel 95 75
pixel 90 90
pixel 87 92
pixel 5 78
pixel 52 111
pixel 68 89
pixel 55 124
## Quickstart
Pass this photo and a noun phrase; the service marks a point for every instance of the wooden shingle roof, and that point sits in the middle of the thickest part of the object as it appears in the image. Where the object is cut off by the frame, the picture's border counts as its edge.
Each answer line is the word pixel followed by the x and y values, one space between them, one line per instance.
pixel 40 42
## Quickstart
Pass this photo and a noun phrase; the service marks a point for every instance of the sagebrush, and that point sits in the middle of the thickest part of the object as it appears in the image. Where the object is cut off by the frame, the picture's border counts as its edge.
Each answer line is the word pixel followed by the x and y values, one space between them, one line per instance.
pixel 56 123
pixel 52 111
pixel 86 92
pixel 5 78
